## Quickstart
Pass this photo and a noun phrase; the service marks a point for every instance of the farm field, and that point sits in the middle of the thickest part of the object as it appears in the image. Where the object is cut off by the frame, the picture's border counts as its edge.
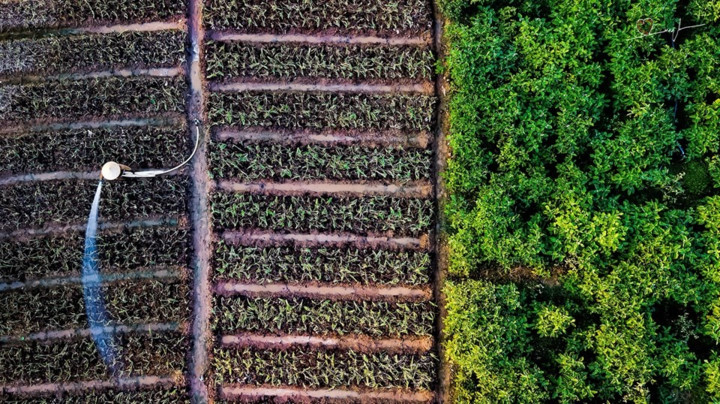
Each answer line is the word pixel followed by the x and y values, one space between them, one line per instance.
pixel 292 260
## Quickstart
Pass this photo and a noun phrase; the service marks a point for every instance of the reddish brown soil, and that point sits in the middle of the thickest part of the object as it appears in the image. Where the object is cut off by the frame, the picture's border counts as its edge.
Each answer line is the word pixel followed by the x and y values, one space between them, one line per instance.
pixel 251 237
pixel 239 392
pixel 325 85
pixel 416 189
pixel 327 38
pixel 357 343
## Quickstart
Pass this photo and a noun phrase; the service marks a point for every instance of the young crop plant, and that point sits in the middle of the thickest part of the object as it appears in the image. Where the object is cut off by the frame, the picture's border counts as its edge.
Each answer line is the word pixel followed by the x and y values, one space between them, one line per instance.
pixel 42 203
pixel 386 17
pixel 28 14
pixel 28 311
pixel 379 214
pixel 54 55
pixel 323 317
pixel 115 97
pixel 77 359
pixel 328 265
pixel 89 149
pixel 313 162
pixel 227 60
pixel 131 249
pixel 324 369
pixel 583 157
pixel 323 110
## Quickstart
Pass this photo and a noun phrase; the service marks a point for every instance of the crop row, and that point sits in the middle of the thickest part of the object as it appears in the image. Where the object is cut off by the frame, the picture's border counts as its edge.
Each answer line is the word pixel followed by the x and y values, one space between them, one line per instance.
pixel 82 149
pixel 91 98
pixel 323 317
pixel 77 359
pixel 28 311
pixel 352 62
pixel 24 14
pixel 130 249
pixel 327 265
pixel 323 110
pixel 272 161
pixel 85 53
pixel 41 203
pixel 338 214
pixel 307 368
pixel 164 396
pixel 412 16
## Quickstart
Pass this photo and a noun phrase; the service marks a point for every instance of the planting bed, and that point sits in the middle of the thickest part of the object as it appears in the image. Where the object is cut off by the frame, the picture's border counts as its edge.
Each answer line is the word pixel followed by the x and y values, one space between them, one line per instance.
pixel 317 123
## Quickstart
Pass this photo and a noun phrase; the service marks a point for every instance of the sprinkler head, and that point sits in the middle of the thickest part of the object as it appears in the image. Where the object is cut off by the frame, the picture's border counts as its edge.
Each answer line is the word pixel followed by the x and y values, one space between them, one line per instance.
pixel 112 170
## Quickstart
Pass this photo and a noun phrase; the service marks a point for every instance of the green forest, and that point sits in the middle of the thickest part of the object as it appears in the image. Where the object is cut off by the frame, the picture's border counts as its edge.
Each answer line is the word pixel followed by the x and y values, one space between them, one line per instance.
pixel 583 214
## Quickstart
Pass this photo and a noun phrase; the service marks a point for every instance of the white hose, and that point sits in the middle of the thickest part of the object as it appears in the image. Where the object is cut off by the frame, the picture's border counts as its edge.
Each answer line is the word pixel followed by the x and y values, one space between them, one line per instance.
pixel 153 173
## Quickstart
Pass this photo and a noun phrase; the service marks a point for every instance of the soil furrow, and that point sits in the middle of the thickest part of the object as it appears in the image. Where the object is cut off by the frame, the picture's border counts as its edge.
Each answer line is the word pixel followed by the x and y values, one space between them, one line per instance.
pixel 180 24
pixel 171 119
pixel 252 237
pixel 125 383
pixel 58 175
pixel 414 189
pixel 376 138
pixel 72 333
pixel 331 292
pixel 319 38
pixel 240 392
pixel 59 229
pixel 326 86
pixel 168 273
pixel 358 343
pixel 153 72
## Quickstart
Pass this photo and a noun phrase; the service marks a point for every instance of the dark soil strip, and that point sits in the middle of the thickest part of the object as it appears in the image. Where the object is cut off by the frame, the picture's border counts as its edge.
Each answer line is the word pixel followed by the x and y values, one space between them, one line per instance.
pixel 89 148
pixel 371 64
pixel 388 138
pixel 63 229
pixel 244 393
pixel 323 317
pixel 322 38
pixel 120 250
pixel 199 210
pixel 296 110
pixel 289 214
pixel 110 98
pixel 324 86
pixel 416 189
pixel 285 16
pixel 330 292
pixel 31 14
pixel 149 273
pixel 91 53
pixel 270 161
pixel 77 360
pixel 324 369
pixel 357 343
pixel 255 237
pixel 28 311
pixel 74 333
pixel 327 265
pixel 42 203
pixel 127 388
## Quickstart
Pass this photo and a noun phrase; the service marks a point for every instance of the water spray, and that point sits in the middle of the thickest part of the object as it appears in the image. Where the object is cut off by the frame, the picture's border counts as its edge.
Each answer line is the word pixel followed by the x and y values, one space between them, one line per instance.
pixel 95 311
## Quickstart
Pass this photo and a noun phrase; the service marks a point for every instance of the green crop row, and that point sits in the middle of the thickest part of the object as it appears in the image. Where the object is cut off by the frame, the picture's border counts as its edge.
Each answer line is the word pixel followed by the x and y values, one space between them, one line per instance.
pixel 27 311
pixel 89 53
pixel 322 317
pixel 582 157
pixel 82 149
pixel 41 203
pixel 306 368
pixel 322 110
pixel 329 265
pixel 272 161
pixel 113 97
pixel 129 249
pixel 25 14
pixel 410 16
pixel 165 396
pixel 78 359
pixel 351 62
pixel 337 214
